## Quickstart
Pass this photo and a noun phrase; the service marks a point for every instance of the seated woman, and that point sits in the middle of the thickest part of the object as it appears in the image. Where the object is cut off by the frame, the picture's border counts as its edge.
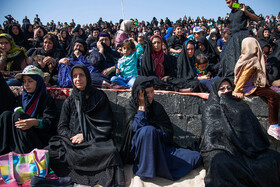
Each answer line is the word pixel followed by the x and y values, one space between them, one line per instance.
pixel 18 36
pixel 157 64
pixel 251 78
pixel 204 47
pixel 186 76
pixel 148 138
pixel 51 53
pixel 34 121
pixel 234 147
pixel 104 60
pixel 84 149
pixel 7 98
pixel 12 58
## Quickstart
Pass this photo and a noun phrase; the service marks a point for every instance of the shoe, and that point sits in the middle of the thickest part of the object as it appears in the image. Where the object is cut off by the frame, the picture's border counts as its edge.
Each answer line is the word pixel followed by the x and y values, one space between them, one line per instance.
pixel 274 131
pixel 106 85
pixel 45 182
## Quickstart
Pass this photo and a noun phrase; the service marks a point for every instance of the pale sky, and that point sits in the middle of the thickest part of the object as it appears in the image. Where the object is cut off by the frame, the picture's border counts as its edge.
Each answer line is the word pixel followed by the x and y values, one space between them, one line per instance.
pixel 89 11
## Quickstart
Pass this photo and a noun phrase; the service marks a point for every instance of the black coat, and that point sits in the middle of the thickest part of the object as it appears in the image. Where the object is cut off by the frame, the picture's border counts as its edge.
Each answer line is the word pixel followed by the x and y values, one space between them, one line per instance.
pixel 234 147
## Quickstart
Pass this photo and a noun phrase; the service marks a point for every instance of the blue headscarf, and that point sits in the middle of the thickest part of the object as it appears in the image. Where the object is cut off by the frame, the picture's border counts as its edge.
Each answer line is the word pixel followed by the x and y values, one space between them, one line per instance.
pixel 30 101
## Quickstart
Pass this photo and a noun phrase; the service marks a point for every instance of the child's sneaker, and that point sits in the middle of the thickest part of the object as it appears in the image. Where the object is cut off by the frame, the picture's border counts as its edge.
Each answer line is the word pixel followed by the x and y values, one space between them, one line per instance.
pixel 274 131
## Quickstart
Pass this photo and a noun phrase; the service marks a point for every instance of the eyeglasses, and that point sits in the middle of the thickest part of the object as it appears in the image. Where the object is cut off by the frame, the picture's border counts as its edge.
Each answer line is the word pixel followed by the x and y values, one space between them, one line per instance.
pixel 223 89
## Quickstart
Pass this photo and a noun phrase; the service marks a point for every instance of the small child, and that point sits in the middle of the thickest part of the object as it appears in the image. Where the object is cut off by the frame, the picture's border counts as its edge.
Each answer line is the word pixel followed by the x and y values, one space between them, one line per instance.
pixel 201 63
pixel 175 42
pixel 127 65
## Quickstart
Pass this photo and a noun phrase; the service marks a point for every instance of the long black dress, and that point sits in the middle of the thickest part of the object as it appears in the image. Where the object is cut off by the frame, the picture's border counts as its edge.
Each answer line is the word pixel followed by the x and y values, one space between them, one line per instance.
pixel 95 160
pixel 39 105
pixel 234 147
pixel 7 98
pixel 148 141
pixel 232 50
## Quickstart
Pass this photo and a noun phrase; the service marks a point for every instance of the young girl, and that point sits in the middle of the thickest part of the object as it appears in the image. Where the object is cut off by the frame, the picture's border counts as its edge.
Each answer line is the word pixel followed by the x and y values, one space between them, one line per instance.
pixel 250 78
pixel 222 41
pixel 127 65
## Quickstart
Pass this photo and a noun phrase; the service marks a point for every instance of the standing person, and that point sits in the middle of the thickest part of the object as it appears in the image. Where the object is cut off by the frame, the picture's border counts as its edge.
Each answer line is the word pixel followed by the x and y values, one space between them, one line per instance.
pixel 37 20
pixel 127 65
pixel 148 138
pixel 238 29
pixel 84 149
pixel 34 123
pixel 234 148
pixel 124 32
pixel 250 78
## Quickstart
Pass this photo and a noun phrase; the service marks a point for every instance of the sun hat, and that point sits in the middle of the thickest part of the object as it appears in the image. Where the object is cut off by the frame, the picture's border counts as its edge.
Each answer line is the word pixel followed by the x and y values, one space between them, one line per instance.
pixel 30 70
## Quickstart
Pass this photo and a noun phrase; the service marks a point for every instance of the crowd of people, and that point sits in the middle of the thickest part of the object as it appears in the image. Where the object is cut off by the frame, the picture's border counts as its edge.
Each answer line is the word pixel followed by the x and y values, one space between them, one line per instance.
pixel 230 58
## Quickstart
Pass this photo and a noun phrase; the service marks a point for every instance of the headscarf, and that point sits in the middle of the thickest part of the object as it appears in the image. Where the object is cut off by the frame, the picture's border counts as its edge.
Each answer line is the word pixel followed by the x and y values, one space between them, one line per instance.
pixel 209 50
pixel 94 113
pixel 26 33
pixel 126 26
pixel 251 57
pixel 30 101
pixel 14 51
pixel 81 95
pixel 185 65
pixel 19 39
pixel 81 41
pixel 158 59
pixel 229 125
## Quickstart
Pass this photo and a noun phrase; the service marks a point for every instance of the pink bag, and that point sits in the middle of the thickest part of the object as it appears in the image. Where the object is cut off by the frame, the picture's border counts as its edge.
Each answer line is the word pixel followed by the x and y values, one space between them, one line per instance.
pixel 20 168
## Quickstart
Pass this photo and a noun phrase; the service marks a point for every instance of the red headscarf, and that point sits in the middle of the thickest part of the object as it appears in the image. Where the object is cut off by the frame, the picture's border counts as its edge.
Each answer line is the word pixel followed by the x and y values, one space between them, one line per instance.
pixel 158 58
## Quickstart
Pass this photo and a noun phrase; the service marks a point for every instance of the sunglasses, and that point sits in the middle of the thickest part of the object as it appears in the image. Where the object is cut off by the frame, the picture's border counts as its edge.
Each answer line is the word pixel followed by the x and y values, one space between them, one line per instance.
pixel 223 89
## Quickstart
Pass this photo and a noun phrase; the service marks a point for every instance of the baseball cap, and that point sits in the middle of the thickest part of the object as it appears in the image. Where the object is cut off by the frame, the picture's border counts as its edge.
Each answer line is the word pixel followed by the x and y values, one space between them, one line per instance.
pixel 197 29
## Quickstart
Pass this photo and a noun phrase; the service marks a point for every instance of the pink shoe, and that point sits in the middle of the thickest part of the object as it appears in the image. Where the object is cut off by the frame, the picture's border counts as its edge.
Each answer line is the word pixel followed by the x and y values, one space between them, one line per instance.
pixel 274 131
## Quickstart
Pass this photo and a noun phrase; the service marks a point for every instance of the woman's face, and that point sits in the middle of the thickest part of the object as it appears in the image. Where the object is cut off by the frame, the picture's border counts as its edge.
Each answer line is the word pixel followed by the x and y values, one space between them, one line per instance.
pixel 157 45
pixel 266 34
pixel 29 84
pixel 63 34
pixel 150 94
pixel 190 50
pixel 15 30
pixel 79 79
pixel 164 48
pixel 30 28
pixel 201 46
pixel 47 45
pixel 225 87
pixel 5 44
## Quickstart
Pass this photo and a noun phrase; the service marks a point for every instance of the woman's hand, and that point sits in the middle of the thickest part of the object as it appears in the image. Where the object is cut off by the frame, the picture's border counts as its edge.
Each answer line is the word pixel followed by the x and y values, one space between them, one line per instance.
pixel 65 61
pixel 49 62
pixel 238 95
pixel 26 124
pixel 3 53
pixel 100 47
pixel 108 71
pixel 141 100
pixel 165 78
pixel 78 138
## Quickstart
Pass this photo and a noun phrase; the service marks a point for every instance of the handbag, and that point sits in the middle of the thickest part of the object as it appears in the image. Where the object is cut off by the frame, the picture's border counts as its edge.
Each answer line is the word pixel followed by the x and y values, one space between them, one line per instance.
pixel 21 167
